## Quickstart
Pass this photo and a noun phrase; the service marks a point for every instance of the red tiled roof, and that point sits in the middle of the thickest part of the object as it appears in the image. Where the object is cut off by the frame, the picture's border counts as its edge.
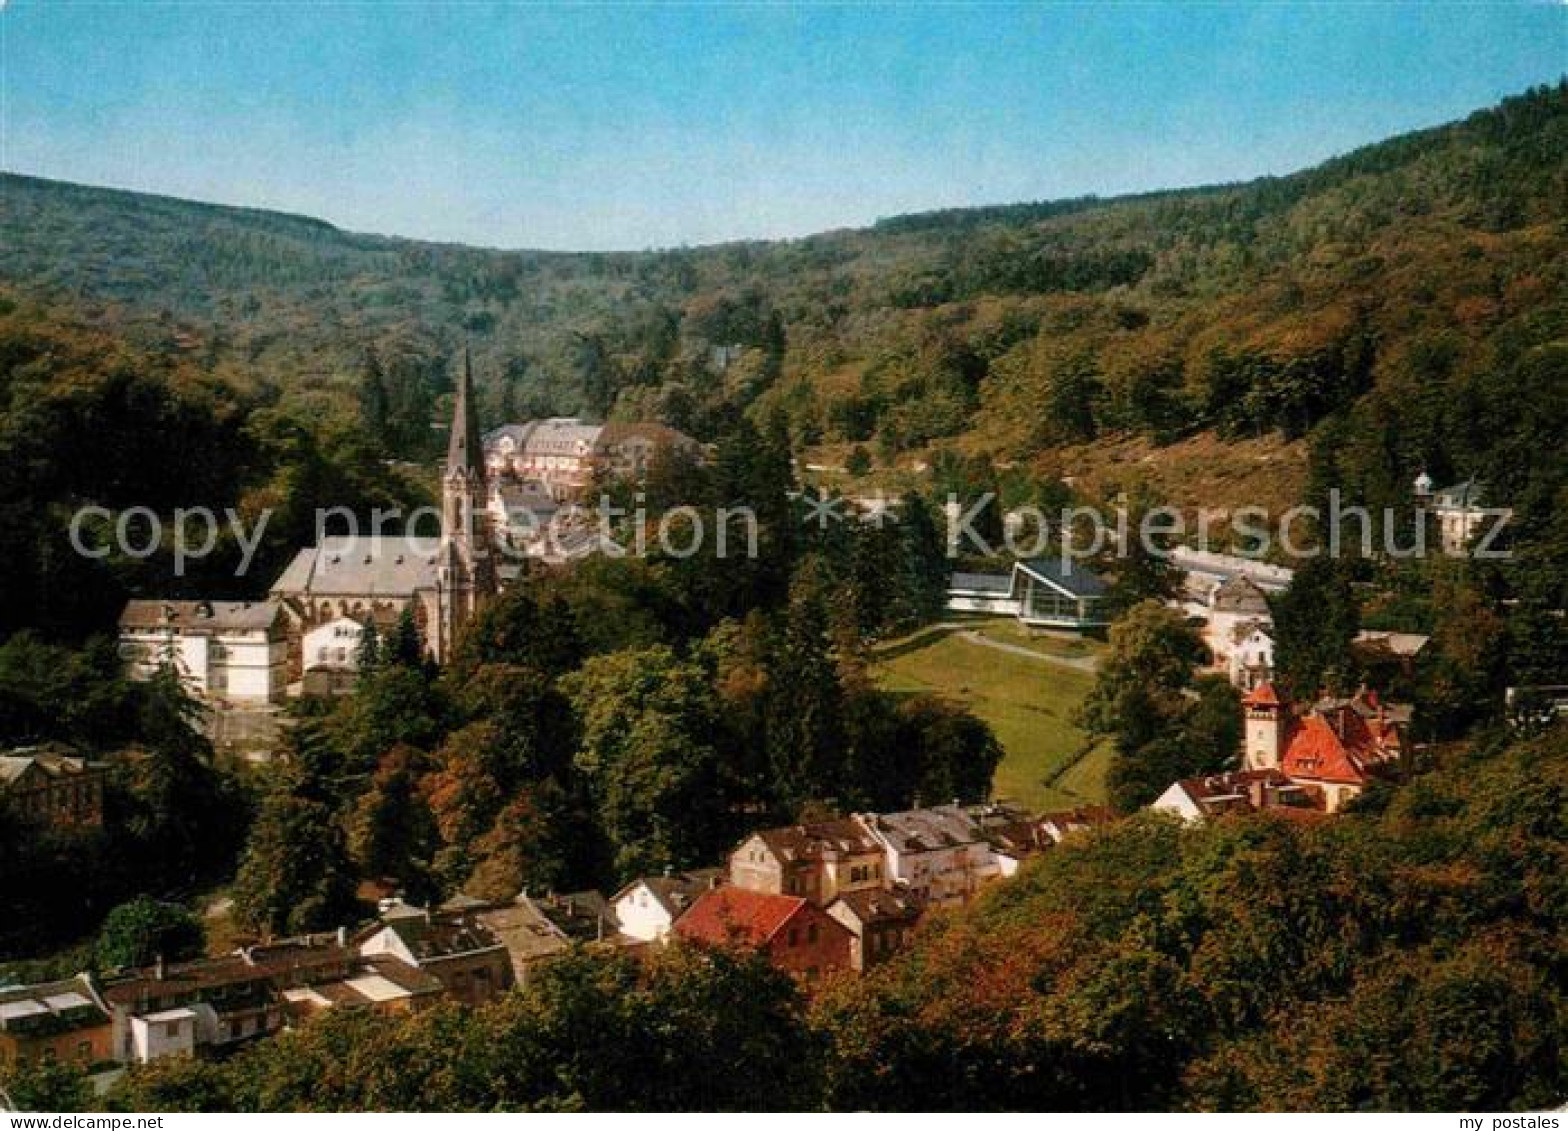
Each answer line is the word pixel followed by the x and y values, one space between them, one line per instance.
pixel 737 915
pixel 1339 747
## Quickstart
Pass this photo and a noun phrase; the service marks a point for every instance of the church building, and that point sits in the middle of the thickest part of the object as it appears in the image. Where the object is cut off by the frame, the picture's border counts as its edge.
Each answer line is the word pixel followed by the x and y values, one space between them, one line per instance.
pixel 375 577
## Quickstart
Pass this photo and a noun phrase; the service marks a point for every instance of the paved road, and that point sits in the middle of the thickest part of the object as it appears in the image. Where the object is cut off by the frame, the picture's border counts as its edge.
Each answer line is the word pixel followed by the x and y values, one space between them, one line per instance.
pixel 974 636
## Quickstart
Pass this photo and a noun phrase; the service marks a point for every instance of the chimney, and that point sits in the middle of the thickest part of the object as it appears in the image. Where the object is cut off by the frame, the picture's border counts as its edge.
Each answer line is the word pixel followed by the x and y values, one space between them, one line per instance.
pixel 1257 788
pixel 342 935
pixel 159 970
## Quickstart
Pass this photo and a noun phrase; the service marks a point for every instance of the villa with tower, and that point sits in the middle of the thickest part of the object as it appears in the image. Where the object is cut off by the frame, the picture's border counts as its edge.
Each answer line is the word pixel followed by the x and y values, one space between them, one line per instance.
pixel 1334 746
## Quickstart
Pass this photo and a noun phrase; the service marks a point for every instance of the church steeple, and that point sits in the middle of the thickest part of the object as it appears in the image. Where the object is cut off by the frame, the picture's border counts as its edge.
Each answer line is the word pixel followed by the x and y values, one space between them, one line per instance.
pixel 465 448
pixel 467 570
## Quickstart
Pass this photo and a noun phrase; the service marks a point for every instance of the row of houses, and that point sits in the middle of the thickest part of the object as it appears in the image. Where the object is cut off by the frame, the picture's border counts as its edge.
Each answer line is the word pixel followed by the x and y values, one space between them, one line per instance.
pixel 214 1005
pixel 824 897
pixel 832 896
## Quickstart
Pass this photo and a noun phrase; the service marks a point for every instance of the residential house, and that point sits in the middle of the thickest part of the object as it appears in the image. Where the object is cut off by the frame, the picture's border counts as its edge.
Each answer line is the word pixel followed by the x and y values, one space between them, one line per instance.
pixel 535 930
pixel 1251 658
pixel 817 861
pixel 648 907
pixel 1016 836
pixel 62 1022
pixel 212 1003
pixel 380 982
pixel 530 938
pixel 879 921
pixel 795 935
pixel 220 1003
pixel 940 854
pixel 1388 657
pixel 331 651
pixel 230 651
pixel 49 785
pixel 1460 511
pixel 1239 791
pixel 458 950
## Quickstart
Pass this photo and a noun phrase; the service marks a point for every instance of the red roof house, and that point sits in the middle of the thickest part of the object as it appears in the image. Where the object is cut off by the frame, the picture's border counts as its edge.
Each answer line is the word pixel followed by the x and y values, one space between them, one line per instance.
pixel 1337 745
pixel 796 935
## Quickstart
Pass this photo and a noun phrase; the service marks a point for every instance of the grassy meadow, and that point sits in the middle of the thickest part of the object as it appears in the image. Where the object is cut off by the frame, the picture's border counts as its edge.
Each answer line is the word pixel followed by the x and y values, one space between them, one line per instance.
pixel 1028 703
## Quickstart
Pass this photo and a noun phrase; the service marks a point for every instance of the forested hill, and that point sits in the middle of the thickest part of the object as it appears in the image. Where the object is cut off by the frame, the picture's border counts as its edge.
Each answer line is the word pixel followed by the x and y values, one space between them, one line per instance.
pixel 1422 264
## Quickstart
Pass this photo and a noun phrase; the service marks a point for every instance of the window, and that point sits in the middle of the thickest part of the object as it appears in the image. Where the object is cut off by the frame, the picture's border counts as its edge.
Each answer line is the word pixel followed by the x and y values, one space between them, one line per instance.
pixel 171 1029
pixel 811 933
pixel 84 1051
pixel 794 936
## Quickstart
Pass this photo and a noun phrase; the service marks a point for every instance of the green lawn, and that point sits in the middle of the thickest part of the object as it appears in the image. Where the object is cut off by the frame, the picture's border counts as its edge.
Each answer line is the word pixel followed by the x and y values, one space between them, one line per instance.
pixel 1028 703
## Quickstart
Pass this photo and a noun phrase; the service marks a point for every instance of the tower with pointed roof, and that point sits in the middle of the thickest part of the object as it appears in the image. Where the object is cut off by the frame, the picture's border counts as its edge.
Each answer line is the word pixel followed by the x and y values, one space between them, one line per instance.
pixel 467 575
pixel 1266 723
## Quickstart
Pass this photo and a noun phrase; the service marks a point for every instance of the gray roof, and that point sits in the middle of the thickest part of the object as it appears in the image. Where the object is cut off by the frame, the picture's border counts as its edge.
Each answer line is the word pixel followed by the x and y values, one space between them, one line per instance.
pixel 200 616
pixel 525 930
pixel 1239 594
pixel 1470 493
pixel 998 583
pixel 925 830
pixel 1067 575
pixel 393 565
pixel 677 891
pixel 555 435
pixel 49 760
pixel 69 1002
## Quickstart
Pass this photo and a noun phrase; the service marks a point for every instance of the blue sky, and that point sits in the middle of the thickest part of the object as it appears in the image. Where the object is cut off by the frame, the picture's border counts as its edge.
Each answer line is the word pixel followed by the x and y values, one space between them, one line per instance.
pixel 629 126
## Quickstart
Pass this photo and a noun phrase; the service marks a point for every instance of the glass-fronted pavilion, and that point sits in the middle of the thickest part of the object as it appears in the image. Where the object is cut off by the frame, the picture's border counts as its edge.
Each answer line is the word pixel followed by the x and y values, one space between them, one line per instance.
pixel 1041 592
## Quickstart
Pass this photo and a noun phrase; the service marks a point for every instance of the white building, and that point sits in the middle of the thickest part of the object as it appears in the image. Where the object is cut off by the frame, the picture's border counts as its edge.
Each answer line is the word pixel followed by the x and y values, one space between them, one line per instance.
pixel 939 854
pixel 1461 512
pixel 1196 800
pixel 1040 592
pixel 335 643
pixel 1251 660
pixel 171 1032
pixel 1202 570
pixel 231 651
pixel 647 908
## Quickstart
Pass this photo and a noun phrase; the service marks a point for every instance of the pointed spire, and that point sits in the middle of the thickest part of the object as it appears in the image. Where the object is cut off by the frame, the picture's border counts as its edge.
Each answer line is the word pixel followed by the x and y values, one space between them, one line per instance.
pixel 465 449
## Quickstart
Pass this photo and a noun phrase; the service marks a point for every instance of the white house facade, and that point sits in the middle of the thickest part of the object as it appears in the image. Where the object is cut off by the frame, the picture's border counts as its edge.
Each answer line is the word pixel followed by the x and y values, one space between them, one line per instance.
pixel 232 651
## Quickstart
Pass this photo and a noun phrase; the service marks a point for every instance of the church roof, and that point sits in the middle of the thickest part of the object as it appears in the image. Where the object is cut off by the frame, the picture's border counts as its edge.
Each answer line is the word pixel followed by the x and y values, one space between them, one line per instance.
pixel 346 565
